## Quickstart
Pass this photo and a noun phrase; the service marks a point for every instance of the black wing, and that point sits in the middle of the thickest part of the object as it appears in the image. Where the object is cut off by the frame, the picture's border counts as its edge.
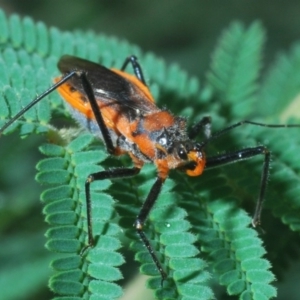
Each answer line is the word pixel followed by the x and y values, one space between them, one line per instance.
pixel 107 85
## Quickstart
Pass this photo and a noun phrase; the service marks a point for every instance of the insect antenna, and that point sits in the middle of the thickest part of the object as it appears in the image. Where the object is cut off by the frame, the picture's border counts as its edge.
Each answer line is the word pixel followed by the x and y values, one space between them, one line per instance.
pixel 217 134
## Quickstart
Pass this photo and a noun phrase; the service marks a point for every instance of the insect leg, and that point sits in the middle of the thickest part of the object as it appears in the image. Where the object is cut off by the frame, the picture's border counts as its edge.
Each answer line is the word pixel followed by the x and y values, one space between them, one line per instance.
pixel 136 68
pixel 109 174
pixel 36 100
pixel 223 159
pixel 203 125
pixel 141 218
pixel 91 97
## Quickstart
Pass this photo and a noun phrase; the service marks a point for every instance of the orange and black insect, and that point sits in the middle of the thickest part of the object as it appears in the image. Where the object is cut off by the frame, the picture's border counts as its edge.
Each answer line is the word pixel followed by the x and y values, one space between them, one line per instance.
pixel 119 109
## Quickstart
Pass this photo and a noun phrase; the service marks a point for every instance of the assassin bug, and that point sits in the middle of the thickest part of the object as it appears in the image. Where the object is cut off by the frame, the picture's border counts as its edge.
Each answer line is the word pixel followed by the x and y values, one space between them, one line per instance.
pixel 119 109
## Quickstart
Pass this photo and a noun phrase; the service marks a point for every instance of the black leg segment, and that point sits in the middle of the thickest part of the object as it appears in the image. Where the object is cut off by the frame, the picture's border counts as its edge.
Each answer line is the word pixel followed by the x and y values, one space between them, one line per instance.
pixel 203 125
pixel 97 113
pixel 109 174
pixel 141 218
pixel 36 100
pixel 136 68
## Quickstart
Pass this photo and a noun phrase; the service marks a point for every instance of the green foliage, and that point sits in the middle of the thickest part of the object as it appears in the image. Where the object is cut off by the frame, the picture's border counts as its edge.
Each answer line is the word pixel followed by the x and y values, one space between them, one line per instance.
pixel 282 83
pixel 66 169
pixel 199 227
pixel 235 67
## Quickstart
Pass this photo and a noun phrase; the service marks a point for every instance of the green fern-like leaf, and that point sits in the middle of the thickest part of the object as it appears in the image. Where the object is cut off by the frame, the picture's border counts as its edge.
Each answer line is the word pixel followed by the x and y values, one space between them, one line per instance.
pixel 238 260
pixel 235 68
pixel 65 210
pixel 281 87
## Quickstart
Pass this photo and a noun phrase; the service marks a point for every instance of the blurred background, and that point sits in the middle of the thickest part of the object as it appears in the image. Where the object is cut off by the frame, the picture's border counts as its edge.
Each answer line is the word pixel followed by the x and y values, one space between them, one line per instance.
pixel 184 32
pixel 180 31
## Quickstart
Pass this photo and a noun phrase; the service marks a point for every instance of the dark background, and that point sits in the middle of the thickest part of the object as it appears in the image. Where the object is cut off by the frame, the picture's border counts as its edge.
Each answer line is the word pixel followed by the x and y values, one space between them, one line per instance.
pixel 184 32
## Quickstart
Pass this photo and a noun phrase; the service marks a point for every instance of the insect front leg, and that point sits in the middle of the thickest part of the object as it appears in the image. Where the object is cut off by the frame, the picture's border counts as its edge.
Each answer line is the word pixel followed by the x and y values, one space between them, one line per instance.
pixel 240 155
pixel 203 125
pixel 109 174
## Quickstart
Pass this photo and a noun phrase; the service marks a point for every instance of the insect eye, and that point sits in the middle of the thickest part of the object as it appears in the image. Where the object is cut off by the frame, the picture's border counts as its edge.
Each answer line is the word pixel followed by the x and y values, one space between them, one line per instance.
pixel 182 153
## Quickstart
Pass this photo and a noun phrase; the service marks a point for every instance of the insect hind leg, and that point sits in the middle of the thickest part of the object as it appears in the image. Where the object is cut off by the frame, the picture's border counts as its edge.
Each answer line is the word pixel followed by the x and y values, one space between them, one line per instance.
pixel 36 100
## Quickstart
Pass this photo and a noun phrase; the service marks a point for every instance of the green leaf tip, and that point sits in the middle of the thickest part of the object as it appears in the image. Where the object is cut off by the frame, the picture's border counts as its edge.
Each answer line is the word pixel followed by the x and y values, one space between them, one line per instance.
pixel 236 64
